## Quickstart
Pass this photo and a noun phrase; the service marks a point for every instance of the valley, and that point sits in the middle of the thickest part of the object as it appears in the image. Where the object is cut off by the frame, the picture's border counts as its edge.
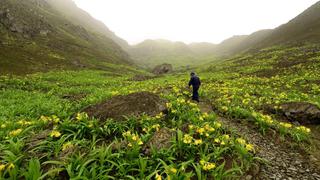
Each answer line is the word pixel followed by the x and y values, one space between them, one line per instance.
pixel 78 102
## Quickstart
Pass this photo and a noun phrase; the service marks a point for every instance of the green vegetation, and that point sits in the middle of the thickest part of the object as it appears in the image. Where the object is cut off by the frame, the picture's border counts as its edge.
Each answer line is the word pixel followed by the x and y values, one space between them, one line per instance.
pixel 40 138
pixel 36 36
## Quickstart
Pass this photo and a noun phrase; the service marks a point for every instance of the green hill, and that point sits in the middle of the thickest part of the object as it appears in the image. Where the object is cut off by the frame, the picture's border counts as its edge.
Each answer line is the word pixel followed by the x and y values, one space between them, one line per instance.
pixel 153 52
pixel 303 28
pixel 36 36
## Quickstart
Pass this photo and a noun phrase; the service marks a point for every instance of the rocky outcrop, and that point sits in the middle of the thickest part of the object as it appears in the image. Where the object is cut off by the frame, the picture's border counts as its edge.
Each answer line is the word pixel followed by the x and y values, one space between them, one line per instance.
pixel 302 112
pixel 13 21
pixel 162 69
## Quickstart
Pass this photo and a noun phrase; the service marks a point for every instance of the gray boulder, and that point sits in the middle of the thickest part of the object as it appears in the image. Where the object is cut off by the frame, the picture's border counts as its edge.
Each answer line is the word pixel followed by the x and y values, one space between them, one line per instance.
pixel 302 112
pixel 162 69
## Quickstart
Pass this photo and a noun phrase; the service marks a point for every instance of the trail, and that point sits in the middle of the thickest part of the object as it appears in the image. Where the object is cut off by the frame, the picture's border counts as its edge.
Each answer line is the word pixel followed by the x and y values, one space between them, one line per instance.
pixel 283 162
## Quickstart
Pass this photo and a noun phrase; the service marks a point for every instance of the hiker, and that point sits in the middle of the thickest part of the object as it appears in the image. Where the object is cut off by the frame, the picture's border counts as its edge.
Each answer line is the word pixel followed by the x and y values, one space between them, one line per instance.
pixel 195 82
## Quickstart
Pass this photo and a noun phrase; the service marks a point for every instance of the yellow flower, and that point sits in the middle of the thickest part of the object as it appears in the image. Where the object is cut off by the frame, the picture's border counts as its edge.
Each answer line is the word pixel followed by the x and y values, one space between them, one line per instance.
pixel 304 129
pixel 217 125
pixel 200 130
pixel 130 145
pixel 226 137
pixel 113 93
pixel 209 128
pixel 158 177
pixel 187 139
pixel 156 126
pixel 224 108
pixel 198 141
pixel 140 142
pixel 241 141
pixel 128 133
pixel 169 105
pixel 286 125
pixel 11 166
pixel 44 118
pixel 2 167
pixel 159 116
pixel 173 170
pixel 193 104
pixel 216 140
pixel 209 166
pixel 67 145
pixel 250 147
pixel 205 115
pixel 191 126
pixel 15 132
pixel 55 133
pixel 134 137
pixel 81 116
pixel 3 126
pixel 55 119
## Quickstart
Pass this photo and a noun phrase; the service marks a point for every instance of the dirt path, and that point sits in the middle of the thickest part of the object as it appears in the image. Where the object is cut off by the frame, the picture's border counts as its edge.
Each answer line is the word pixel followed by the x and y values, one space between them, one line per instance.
pixel 283 162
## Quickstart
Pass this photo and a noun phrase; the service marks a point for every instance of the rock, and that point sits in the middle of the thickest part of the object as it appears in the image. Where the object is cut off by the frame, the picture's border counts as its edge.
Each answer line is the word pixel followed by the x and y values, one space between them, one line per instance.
pixel 162 69
pixel 134 104
pixel 248 177
pixel 302 112
pixel 160 140
pixel 44 32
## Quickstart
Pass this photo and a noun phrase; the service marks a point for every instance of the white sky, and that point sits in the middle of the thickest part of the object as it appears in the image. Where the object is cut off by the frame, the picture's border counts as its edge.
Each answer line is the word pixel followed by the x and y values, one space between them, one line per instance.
pixel 191 20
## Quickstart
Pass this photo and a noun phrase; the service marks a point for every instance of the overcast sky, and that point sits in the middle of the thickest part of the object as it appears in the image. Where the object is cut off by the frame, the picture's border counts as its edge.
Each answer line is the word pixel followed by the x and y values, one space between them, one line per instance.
pixel 191 20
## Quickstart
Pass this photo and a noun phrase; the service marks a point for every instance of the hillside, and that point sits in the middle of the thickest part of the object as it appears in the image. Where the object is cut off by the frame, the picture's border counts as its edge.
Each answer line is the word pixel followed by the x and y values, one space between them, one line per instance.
pixel 80 17
pixel 35 36
pixel 153 52
pixel 303 28
pixel 238 44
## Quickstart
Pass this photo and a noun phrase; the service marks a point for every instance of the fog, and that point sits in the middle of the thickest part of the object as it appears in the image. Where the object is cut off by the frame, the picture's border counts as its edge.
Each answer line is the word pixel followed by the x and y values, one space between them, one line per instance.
pixel 191 20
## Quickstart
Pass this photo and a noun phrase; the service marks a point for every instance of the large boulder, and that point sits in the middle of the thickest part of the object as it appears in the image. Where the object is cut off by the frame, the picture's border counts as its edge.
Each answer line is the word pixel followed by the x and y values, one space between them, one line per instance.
pixel 162 69
pixel 134 104
pixel 302 112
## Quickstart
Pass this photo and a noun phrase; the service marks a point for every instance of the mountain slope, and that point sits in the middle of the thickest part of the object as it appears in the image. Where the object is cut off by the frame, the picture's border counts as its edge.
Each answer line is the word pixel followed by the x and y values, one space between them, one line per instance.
pixel 154 52
pixel 303 28
pixel 238 44
pixel 80 17
pixel 35 37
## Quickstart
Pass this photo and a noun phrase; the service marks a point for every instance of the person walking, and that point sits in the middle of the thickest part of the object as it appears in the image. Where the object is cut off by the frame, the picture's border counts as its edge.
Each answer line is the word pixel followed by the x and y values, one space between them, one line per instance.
pixel 195 83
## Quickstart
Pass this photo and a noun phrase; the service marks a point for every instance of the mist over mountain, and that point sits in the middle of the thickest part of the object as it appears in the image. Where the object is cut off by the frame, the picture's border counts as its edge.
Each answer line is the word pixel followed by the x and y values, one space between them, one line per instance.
pixel 153 52
pixel 303 28
pixel 37 36
pixel 80 17
pixel 40 35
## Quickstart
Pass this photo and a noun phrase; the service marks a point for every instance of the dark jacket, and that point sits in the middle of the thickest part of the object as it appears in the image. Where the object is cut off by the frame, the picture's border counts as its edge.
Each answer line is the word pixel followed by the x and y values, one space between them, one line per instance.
pixel 195 81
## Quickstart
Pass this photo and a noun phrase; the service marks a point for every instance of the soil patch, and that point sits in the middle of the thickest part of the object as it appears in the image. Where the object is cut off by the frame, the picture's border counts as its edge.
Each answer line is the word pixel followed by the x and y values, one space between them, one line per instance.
pixel 134 104
pixel 141 77
pixel 160 140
